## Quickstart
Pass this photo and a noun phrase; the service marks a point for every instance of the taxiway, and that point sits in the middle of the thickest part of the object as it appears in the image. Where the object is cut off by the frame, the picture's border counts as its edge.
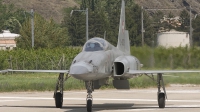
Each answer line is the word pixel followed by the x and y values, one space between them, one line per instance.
pixel 180 98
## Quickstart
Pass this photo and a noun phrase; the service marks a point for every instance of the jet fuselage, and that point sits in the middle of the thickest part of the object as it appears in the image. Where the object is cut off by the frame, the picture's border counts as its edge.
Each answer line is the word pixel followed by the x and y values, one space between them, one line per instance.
pixel 94 65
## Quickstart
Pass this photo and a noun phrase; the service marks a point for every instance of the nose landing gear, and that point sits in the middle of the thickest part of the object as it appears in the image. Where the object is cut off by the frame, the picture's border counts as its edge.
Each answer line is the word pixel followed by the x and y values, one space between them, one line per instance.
pixel 89 87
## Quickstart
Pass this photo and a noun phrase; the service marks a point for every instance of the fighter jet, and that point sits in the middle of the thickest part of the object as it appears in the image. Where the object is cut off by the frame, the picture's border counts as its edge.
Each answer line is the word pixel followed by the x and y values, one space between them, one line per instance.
pixel 99 60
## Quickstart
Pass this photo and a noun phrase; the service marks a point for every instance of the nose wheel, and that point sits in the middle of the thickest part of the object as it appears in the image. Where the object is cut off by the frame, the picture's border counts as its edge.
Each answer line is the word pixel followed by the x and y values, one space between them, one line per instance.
pixel 89 105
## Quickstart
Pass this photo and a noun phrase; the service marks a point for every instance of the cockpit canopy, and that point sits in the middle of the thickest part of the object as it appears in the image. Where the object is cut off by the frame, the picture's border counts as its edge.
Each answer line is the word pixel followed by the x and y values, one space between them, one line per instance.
pixel 95 44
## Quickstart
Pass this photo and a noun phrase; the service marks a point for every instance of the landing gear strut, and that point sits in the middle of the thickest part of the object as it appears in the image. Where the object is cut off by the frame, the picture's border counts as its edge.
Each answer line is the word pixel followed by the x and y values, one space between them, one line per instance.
pixel 161 95
pixel 58 93
pixel 89 87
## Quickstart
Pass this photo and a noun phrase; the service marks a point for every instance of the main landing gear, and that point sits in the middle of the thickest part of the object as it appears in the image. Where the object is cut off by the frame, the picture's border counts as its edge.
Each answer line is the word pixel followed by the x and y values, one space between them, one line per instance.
pixel 58 93
pixel 89 87
pixel 161 95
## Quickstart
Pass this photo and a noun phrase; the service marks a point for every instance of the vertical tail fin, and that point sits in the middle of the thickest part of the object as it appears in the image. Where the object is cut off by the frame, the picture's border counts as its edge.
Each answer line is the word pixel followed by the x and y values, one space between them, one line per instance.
pixel 123 36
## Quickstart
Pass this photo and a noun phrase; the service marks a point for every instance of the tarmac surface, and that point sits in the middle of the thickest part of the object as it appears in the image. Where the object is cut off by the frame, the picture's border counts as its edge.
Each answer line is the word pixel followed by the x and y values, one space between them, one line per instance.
pixel 180 99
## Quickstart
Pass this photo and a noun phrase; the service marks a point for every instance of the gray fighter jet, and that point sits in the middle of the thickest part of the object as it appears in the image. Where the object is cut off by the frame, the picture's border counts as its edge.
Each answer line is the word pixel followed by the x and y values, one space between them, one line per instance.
pixel 99 60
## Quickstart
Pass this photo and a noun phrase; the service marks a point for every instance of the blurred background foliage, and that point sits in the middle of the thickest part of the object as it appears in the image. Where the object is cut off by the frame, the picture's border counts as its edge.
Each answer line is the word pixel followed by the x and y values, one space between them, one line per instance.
pixel 54 41
pixel 103 16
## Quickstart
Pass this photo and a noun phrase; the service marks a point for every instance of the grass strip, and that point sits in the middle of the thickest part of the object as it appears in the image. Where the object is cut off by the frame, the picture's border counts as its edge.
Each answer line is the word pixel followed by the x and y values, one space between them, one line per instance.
pixel 47 81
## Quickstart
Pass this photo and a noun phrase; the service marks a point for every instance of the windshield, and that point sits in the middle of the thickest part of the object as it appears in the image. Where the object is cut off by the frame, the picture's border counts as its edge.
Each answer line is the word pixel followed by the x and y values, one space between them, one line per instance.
pixel 90 46
pixel 95 44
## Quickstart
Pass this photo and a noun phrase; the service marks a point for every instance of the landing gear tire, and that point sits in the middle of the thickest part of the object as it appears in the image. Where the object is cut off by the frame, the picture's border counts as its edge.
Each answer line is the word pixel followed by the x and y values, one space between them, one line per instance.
pixel 161 100
pixel 89 105
pixel 58 100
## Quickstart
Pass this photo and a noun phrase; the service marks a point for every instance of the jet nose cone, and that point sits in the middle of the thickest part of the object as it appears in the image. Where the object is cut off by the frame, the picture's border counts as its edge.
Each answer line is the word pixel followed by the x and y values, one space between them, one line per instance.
pixel 80 71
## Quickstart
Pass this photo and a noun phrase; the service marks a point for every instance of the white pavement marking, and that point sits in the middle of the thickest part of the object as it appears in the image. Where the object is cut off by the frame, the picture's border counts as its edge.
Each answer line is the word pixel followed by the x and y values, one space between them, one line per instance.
pixel 138 91
pixel 98 99
pixel 27 98
pixel 154 91
pixel 9 100
pixel 191 106
pixel 136 110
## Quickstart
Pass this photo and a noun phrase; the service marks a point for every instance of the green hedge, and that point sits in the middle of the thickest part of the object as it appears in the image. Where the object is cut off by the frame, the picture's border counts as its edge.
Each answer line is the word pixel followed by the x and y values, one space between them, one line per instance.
pixel 171 58
pixel 60 58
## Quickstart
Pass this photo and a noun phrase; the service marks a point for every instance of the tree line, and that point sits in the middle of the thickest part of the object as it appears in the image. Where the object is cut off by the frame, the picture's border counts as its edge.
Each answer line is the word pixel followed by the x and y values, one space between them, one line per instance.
pixel 103 17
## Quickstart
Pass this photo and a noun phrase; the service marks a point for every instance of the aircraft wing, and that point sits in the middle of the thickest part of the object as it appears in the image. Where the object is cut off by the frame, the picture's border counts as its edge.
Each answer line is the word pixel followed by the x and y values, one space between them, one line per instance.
pixel 161 71
pixel 44 71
